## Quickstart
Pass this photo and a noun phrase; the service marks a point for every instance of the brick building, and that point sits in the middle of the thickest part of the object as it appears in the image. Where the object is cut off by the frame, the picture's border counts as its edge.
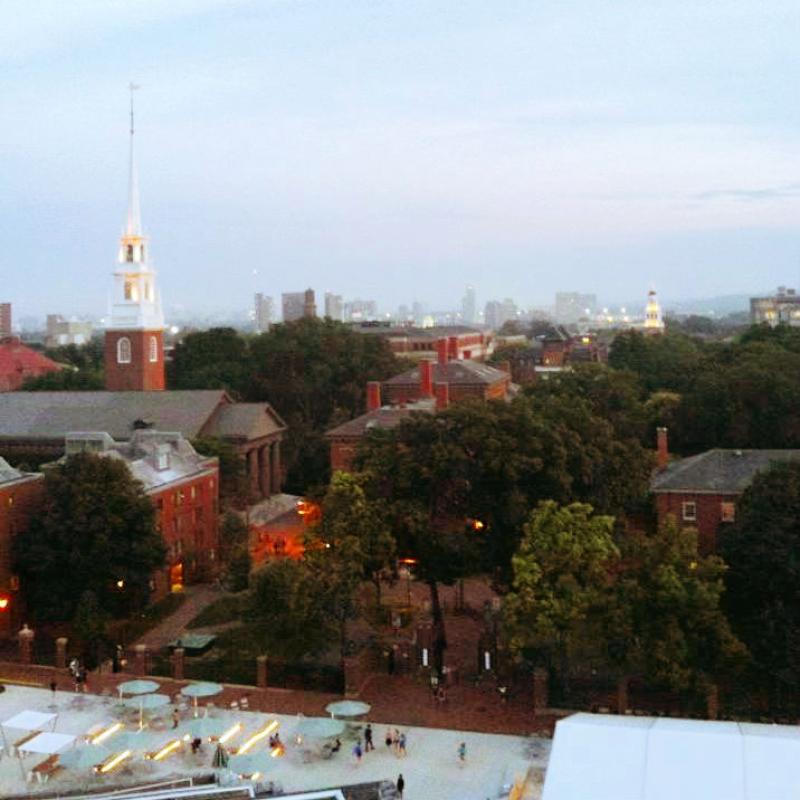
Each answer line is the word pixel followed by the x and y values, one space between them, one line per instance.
pixel 702 491
pixel 19 362
pixel 33 425
pixel 184 488
pixel 429 387
pixel 421 343
pixel 20 497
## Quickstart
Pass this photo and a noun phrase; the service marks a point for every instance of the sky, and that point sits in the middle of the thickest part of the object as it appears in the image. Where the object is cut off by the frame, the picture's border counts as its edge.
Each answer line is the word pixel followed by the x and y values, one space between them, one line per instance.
pixel 399 150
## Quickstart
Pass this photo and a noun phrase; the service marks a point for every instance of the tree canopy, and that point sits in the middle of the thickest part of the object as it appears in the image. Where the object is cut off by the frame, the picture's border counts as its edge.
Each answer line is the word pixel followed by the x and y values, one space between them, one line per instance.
pixel 97 526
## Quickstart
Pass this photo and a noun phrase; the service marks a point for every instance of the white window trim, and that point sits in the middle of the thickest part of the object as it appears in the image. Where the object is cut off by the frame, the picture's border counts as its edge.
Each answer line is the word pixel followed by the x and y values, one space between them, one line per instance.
pixel 153 350
pixel 685 516
pixel 124 357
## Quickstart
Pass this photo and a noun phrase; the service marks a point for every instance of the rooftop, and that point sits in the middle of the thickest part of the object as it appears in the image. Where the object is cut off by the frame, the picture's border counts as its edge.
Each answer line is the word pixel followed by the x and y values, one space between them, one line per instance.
pixel 10 475
pixel 384 418
pixel 455 372
pixel 718 471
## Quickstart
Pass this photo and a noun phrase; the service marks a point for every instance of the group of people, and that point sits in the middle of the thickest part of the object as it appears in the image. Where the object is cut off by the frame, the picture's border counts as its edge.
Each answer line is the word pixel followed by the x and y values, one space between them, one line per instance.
pixel 395 741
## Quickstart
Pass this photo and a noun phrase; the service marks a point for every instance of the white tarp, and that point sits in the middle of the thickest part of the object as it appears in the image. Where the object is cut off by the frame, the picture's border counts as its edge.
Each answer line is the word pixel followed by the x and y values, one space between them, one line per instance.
pixel 600 757
pixel 47 743
pixel 30 721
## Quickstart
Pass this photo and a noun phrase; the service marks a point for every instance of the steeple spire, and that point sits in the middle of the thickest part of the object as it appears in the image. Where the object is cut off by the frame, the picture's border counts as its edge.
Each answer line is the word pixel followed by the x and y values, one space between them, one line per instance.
pixel 133 225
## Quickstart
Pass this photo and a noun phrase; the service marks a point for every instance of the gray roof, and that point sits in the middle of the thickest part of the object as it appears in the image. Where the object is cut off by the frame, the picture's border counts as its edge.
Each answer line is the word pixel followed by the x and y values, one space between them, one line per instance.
pixel 10 475
pixel 455 372
pixel 386 418
pixel 718 471
pixel 246 421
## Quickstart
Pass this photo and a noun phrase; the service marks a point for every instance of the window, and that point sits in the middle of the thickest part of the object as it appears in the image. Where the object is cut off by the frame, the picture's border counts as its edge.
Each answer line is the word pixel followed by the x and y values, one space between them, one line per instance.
pixel 194 492
pixel 153 349
pixel 689 511
pixel 124 350
pixel 131 290
pixel 727 511
pixel 129 253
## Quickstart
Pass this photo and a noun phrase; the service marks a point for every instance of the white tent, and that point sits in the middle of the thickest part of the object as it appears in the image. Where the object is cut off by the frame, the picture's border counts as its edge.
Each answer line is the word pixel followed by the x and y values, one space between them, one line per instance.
pixel 599 757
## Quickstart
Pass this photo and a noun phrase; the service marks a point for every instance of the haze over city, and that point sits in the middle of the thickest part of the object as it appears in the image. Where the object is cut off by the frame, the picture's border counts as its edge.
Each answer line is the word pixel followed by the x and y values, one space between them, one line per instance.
pixel 399 151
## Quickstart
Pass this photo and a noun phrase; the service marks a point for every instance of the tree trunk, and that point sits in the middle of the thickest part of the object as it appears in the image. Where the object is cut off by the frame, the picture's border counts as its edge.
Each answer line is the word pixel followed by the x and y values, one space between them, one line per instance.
pixel 439 637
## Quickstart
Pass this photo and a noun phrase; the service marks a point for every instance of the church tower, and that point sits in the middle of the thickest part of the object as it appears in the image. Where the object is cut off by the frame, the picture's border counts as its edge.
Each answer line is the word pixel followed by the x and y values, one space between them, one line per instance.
pixel 134 342
pixel 653 321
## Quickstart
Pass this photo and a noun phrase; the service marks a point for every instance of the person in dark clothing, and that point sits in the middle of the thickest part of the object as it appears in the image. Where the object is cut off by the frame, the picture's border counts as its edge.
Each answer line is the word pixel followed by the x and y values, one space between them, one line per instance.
pixel 368 745
pixel 401 784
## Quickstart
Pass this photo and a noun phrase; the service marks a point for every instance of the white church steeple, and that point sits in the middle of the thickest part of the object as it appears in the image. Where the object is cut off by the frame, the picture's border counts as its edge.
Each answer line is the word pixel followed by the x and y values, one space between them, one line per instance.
pixel 136 302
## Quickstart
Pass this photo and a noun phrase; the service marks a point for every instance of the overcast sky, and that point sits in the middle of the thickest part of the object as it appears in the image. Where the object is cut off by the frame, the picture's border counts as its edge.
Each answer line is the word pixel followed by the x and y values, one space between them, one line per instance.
pixel 399 149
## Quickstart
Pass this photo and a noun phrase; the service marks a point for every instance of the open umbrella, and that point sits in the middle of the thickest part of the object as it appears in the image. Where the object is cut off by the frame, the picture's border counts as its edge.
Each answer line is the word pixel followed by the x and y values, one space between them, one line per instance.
pixel 84 758
pixel 146 701
pixel 137 687
pixel 202 689
pixel 221 758
pixel 348 708
pixel 249 763
pixel 206 727
pixel 319 728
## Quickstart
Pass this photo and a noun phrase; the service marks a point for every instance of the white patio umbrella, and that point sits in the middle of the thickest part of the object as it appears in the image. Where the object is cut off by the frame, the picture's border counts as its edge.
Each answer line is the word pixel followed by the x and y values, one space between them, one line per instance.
pixel 137 687
pixel 348 708
pixel 202 689
pixel 320 728
pixel 146 701
pixel 206 727
pixel 249 763
pixel 84 758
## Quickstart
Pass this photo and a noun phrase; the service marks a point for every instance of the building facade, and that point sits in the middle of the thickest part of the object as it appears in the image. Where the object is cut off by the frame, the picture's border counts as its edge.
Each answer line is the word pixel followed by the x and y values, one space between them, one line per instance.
pixel 21 495
pixel 61 332
pixel 184 489
pixel 263 311
pixel 297 305
pixel 420 343
pixel 782 308
pixel 334 307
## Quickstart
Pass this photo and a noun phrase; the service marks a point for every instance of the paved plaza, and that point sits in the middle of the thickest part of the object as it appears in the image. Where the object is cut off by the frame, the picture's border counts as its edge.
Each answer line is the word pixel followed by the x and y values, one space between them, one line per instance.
pixel 432 769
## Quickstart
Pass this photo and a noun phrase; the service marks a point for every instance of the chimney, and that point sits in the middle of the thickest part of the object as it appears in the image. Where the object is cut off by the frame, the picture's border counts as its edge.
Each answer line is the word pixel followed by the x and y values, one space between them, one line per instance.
pixel 373 395
pixel 426 378
pixel 441 350
pixel 452 348
pixel 442 396
pixel 662 458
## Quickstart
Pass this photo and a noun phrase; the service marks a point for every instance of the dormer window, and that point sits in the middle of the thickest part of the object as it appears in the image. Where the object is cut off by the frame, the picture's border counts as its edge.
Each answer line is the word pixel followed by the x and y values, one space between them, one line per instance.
pixel 162 456
pixel 124 350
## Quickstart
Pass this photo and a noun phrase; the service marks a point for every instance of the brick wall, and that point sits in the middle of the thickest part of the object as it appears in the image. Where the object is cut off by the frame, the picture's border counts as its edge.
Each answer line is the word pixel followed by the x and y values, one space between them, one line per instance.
pixel 141 374
pixel 708 512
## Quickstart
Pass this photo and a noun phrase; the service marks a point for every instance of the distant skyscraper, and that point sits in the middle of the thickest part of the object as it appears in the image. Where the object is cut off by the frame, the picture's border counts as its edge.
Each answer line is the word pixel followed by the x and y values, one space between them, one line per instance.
pixel 468 308
pixel 334 306
pixel 418 312
pixel 62 332
pixel 297 305
pixel 263 312
pixel 358 310
pixel 5 320
pixel 496 314
pixel 572 306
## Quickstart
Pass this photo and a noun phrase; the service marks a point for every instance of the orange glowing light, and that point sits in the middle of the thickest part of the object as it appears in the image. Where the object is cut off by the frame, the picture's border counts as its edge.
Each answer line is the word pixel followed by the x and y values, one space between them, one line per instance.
pixel 4 602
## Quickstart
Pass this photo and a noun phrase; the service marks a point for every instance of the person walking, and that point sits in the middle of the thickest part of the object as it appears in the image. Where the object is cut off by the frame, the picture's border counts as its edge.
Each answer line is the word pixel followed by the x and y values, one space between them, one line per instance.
pixel 357 751
pixel 388 739
pixel 401 745
pixel 401 784
pixel 176 718
pixel 53 687
pixel 368 745
pixel 462 752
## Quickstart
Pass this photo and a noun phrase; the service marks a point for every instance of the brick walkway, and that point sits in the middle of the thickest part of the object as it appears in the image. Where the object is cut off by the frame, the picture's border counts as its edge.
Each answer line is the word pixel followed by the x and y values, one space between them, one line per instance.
pixel 171 628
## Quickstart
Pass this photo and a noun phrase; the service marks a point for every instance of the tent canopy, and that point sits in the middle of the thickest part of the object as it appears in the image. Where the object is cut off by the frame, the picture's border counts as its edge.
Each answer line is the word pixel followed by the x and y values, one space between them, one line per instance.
pixel 613 757
pixel 47 743
pixel 30 720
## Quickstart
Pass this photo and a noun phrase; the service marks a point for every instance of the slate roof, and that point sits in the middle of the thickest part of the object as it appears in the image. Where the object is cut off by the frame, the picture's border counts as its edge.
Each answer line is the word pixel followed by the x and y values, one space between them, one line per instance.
pixel 245 421
pixel 385 418
pixel 51 415
pixel 718 471
pixel 456 373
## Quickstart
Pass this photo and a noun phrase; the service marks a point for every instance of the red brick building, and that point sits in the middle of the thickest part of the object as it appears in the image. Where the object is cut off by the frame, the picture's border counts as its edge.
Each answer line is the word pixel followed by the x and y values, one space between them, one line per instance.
pixel 20 497
pixel 18 363
pixel 420 343
pixel 702 491
pixel 184 488
pixel 429 387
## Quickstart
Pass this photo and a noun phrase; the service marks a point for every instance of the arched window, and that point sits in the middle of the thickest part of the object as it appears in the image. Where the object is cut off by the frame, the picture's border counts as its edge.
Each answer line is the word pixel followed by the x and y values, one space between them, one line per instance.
pixel 153 349
pixel 124 350
pixel 129 253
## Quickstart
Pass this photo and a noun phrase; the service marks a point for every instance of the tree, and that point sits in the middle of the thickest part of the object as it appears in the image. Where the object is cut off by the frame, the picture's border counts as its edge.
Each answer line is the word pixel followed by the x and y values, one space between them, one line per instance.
pixel 235 551
pixel 562 581
pixel 83 369
pixel 234 488
pixel 763 580
pixel 314 372
pixel 89 625
pixel 666 622
pixel 97 526
pixel 213 359
pixel 285 604
pixel 350 521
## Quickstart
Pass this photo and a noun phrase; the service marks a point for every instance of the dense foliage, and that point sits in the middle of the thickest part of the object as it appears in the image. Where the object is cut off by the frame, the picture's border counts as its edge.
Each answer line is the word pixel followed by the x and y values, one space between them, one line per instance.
pixel 96 528
pixel 313 372
pixel 83 369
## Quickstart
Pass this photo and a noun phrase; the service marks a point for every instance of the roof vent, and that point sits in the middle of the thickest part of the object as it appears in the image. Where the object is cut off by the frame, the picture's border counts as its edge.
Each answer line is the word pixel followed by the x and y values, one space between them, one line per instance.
pixel 737 452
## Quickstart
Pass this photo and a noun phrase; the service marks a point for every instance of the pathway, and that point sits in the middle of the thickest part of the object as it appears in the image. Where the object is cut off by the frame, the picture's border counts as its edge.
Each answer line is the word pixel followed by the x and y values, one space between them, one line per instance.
pixel 174 626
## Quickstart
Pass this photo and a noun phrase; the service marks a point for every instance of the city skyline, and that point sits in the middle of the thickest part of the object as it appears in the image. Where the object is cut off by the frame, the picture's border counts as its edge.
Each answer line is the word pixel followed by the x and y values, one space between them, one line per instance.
pixel 357 150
